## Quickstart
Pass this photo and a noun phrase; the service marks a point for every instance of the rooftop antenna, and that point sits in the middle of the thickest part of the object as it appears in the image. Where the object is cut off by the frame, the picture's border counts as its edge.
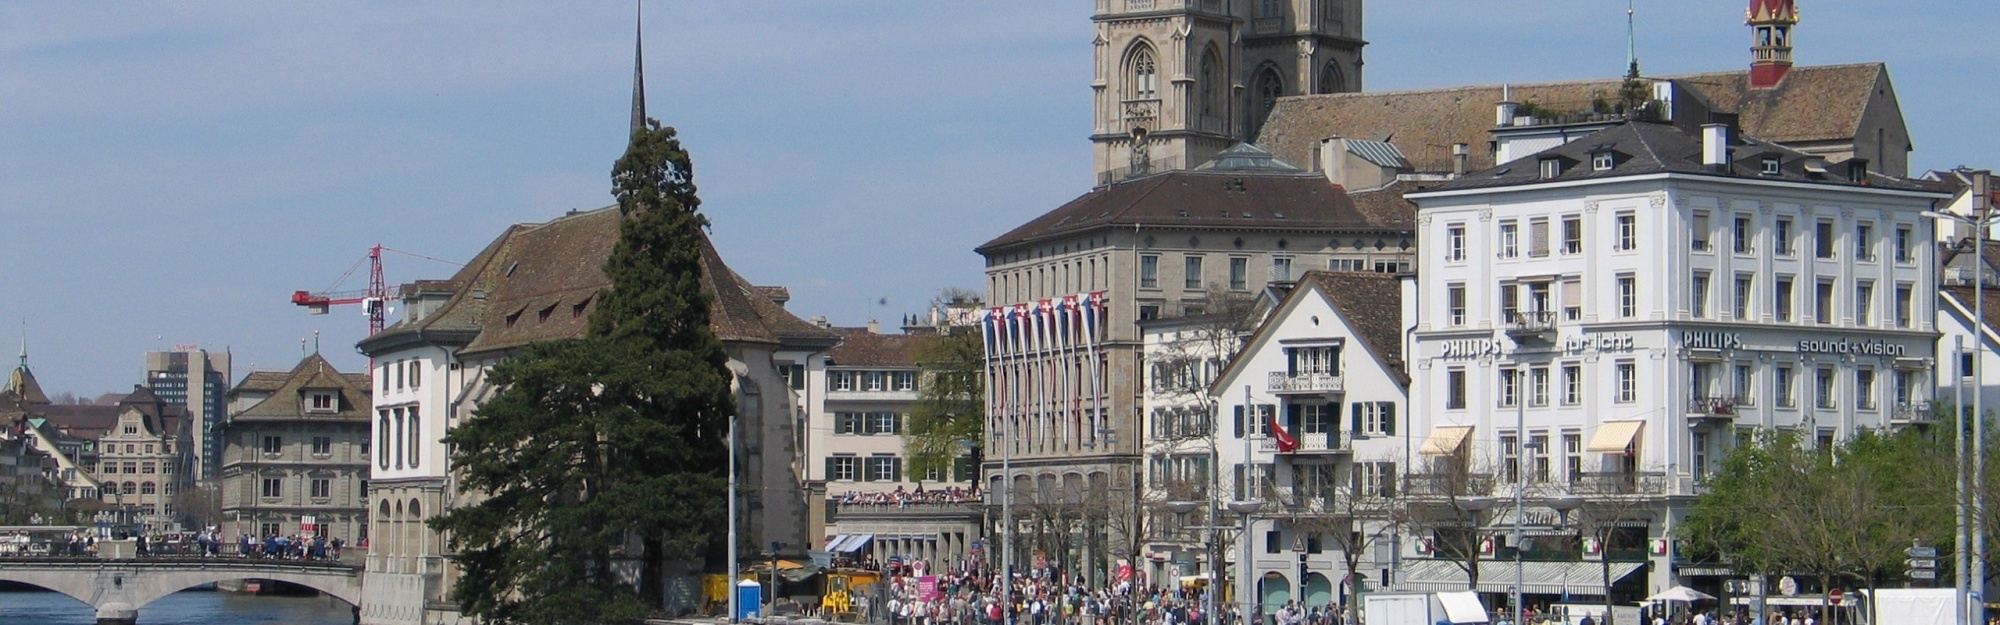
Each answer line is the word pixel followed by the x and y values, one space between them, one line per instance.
pixel 24 342
pixel 315 341
pixel 639 71
pixel 1631 44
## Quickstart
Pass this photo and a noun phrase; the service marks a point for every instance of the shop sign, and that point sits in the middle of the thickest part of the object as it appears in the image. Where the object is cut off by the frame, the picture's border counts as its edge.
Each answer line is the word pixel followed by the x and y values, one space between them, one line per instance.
pixel 1876 347
pixel 1711 340
pixel 1469 348
pixel 1618 342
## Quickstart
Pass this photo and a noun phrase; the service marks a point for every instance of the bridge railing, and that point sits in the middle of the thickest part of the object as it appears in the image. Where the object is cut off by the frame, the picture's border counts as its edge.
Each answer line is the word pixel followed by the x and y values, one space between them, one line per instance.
pixel 170 550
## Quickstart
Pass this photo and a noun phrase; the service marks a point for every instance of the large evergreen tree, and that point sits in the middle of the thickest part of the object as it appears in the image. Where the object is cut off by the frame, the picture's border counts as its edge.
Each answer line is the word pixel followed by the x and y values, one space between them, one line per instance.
pixel 603 458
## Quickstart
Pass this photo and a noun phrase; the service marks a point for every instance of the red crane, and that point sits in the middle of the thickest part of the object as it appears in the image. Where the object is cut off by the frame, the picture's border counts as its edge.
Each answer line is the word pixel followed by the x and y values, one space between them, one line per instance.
pixel 373 300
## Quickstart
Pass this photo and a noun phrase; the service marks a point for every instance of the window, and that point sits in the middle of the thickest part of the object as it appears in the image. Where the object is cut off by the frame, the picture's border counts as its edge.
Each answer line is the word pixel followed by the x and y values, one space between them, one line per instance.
pixel 148 488
pixel 382 432
pixel 1538 237
pixel 1783 390
pixel 1903 303
pixel 843 468
pixel 1538 386
pixel 147 467
pixel 1628 382
pixel 322 488
pixel 1743 285
pixel 416 373
pixel 322 402
pixel 131 430
pixel 1572 234
pixel 1740 236
pixel 1510 458
pixel 1823 388
pixel 1239 273
pixel 1346 264
pixel 848 423
pixel 1698 295
pixel 1781 299
pixel 1781 235
pixel 884 423
pixel 1376 479
pixel 906 380
pixel 1823 302
pixel 1573 454
pixel 1454 382
pixel 1903 244
pixel 1375 418
pixel 1193 273
pixel 400 380
pixel 874 380
pixel 1455 242
pixel 1510 387
pixel 1314 417
pixel 1628 232
pixel 1281 269
pixel 1145 75
pixel 1455 303
pixel 1864 241
pixel 1149 271
pixel 885 469
pixel 1321 359
pixel 132 488
pixel 1823 239
pixel 1628 296
pixel 1510 296
pixel 1746 385
pixel 1538 450
pixel 416 437
pixel 1572 385
pixel 1864 389
pixel 1698 442
pixel 273 488
pixel 1572 298
pixel 1602 161
pixel 1698 232
pixel 1510 239
pixel 274 444
pixel 1864 302
pixel 1770 164
pixel 1906 387
pixel 1551 167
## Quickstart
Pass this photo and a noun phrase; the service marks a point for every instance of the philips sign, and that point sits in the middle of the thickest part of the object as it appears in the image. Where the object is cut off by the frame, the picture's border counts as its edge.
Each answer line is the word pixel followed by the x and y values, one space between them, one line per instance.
pixel 1711 340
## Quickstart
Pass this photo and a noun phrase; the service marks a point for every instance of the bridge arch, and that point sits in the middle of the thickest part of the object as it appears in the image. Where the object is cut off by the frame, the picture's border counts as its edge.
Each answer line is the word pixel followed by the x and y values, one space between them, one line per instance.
pixel 117 589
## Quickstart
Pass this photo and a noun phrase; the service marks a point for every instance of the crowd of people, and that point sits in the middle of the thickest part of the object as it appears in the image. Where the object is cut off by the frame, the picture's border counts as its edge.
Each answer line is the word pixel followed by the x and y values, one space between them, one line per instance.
pixel 971 595
pixel 901 497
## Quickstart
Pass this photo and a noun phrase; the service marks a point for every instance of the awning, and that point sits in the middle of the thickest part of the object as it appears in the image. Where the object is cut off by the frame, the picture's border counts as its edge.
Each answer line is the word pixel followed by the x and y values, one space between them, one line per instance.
pixel 1615 437
pixel 850 544
pixel 1544 578
pixel 1462 607
pixel 1446 439
pixel 834 540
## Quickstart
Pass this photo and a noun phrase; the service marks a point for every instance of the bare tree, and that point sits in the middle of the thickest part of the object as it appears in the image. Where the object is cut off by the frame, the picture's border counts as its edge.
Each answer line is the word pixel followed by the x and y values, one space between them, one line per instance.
pixel 1446 501
pixel 199 506
pixel 1342 509
pixel 1612 503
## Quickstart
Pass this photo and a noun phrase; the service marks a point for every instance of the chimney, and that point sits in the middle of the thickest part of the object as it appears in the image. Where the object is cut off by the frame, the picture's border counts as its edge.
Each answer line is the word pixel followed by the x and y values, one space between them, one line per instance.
pixel 1504 113
pixel 874 327
pixel 1461 153
pixel 1333 159
pixel 1715 146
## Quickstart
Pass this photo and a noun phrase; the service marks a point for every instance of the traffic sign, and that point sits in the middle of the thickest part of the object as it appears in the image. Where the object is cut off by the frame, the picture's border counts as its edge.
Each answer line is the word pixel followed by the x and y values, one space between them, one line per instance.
pixel 1833 596
pixel 1923 573
pixel 1921 563
pixel 1921 552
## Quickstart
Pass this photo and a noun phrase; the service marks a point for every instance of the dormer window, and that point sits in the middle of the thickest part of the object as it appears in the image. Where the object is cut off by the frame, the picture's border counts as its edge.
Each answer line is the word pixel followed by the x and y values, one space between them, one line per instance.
pixel 1603 161
pixel 320 402
pixel 1770 164
pixel 1551 167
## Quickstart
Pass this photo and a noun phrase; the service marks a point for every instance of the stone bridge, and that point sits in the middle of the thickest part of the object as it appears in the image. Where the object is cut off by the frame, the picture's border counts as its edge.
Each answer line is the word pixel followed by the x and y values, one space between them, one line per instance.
pixel 118 587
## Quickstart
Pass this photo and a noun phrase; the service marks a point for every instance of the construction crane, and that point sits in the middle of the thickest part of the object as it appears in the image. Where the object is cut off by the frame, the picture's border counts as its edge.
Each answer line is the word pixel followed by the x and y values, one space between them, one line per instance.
pixel 373 300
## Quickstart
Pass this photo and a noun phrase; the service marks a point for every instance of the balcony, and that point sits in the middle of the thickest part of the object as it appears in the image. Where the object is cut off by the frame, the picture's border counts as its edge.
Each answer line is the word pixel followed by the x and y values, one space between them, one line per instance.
pixel 1914 413
pixel 1712 407
pixel 1534 325
pixel 1304 383
pixel 1312 443
pixel 1618 483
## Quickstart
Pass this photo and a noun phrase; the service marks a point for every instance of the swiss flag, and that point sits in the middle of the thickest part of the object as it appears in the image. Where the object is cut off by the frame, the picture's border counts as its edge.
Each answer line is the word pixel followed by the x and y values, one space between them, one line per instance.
pixel 1286 443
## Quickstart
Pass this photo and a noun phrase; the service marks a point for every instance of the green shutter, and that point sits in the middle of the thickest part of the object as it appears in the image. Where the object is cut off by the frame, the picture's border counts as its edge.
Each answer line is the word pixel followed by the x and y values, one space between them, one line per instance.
pixel 1389 418
pixel 1239 422
pixel 829 468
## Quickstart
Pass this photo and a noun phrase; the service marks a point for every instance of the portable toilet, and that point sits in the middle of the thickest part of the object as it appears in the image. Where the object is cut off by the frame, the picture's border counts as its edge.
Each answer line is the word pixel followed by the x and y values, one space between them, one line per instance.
pixel 749 595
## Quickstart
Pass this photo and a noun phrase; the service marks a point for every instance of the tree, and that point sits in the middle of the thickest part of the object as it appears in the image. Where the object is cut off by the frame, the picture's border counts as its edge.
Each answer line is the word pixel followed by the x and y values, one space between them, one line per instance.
pixel 600 447
pixel 1446 501
pixel 199 506
pixel 949 418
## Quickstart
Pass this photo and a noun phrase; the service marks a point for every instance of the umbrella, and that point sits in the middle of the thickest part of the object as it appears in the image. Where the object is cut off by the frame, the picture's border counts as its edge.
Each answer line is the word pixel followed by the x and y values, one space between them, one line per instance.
pixel 1682 594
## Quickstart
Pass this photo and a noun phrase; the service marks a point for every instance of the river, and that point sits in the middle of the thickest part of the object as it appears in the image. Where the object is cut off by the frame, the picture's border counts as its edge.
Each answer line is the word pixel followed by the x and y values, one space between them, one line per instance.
pixel 184 608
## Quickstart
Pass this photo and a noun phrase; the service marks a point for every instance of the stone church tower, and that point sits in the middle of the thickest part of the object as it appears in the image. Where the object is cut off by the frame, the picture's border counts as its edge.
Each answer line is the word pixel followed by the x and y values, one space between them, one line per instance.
pixel 1177 81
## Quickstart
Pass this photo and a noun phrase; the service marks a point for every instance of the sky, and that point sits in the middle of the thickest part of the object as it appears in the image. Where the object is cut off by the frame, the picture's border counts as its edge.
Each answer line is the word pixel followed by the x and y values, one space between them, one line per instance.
pixel 171 172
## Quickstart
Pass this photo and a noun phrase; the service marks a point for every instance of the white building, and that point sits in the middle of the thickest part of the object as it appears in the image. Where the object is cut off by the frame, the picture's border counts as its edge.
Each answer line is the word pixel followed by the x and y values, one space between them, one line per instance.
pixel 1645 298
pixel 1326 367
pixel 1962 355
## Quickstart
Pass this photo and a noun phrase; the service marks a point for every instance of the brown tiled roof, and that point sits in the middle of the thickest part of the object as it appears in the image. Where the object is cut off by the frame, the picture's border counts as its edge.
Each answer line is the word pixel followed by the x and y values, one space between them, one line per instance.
pixel 1963 294
pixel 260 382
pixel 1386 207
pixel 21 384
pixel 86 421
pixel 1201 199
pixel 861 348
pixel 313 373
pixel 540 281
pixel 1815 103
pixel 1372 303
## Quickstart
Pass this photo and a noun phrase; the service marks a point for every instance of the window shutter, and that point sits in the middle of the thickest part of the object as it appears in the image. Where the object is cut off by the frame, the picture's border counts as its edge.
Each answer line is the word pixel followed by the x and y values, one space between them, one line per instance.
pixel 896 469
pixel 1355 417
pixel 1389 418
pixel 1239 422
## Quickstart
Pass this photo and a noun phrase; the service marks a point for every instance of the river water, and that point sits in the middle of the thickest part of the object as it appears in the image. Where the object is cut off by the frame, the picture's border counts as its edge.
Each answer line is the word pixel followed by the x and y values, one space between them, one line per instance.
pixel 184 608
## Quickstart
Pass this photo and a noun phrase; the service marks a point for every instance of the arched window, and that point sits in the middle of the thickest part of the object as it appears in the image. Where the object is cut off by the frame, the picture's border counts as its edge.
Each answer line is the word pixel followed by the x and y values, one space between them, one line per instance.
pixel 1270 86
pixel 147 488
pixel 384 514
pixel 416 510
pixel 131 488
pixel 400 430
pixel 1330 78
pixel 416 437
pixel 1143 72
pixel 1211 83
pixel 382 447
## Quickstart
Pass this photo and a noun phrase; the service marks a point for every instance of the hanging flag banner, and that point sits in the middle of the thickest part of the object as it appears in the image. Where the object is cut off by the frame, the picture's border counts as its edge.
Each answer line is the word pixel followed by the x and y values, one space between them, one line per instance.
pixel 1286 442
pixel 1043 375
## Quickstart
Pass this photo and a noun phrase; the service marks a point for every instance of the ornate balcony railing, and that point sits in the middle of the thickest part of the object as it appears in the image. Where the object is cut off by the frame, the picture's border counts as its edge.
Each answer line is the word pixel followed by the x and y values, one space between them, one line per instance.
pixel 1914 412
pixel 1712 406
pixel 1531 323
pixel 1282 382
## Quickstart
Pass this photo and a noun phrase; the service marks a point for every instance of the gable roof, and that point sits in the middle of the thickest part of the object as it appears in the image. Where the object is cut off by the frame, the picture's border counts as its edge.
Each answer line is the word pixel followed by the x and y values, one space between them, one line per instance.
pixel 539 282
pixel 260 382
pixel 22 385
pixel 861 348
pixel 313 373
pixel 1369 304
pixel 1826 103
pixel 1218 199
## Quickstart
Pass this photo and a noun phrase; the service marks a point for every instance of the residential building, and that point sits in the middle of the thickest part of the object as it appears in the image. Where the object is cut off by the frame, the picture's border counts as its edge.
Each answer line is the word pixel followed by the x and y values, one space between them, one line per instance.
pixel 1965 354
pixel 1311 422
pixel 199 381
pixel 1966 186
pixel 145 448
pixel 1677 293
pixel 1175 82
pixel 295 455
pixel 1173 244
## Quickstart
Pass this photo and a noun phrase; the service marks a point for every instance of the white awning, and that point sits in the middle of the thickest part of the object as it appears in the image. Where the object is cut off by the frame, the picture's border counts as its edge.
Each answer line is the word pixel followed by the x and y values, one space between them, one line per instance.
pixel 1615 437
pixel 1462 607
pixel 853 543
pixel 833 540
pixel 1446 439
pixel 1544 578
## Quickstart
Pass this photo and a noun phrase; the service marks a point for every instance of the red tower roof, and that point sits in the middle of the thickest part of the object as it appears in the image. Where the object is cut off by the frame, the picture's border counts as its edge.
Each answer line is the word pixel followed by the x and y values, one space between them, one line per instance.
pixel 1773 11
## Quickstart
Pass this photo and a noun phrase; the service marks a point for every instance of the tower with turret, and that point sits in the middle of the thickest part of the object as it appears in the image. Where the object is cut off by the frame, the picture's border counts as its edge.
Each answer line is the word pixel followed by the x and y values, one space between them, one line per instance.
pixel 1771 23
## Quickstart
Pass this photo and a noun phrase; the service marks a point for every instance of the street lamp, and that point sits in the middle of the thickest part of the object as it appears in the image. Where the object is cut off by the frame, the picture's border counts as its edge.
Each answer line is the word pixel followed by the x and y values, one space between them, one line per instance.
pixel 1473 506
pixel 1563 505
pixel 1245 509
pixel 1180 510
pixel 1972 529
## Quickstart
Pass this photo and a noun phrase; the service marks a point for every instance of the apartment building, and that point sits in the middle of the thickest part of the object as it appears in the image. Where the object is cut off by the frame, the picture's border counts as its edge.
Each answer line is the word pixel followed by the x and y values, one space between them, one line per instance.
pixel 295 455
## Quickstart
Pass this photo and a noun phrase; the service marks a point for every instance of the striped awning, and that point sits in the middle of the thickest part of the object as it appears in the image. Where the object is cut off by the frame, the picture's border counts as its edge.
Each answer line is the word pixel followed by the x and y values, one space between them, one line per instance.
pixel 849 543
pixel 1446 439
pixel 1544 578
pixel 1615 437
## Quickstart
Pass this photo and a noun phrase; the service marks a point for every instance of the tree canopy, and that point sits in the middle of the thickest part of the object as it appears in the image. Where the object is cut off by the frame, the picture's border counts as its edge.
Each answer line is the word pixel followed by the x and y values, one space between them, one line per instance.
pixel 603 458
pixel 949 418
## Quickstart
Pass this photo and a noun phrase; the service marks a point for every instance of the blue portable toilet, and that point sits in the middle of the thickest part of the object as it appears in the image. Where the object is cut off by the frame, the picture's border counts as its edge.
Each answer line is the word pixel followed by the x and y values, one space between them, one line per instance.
pixel 749 596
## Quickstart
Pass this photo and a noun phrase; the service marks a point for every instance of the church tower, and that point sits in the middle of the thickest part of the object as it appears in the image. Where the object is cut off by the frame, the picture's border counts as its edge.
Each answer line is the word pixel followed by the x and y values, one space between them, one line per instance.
pixel 1771 23
pixel 1176 81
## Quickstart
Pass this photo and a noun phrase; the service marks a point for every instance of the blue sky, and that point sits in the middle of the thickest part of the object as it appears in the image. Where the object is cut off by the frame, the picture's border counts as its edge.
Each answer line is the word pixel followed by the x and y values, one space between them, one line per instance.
pixel 171 172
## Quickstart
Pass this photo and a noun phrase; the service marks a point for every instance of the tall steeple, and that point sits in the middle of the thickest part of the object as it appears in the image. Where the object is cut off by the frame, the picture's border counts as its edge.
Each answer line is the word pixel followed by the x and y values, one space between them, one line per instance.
pixel 1771 24
pixel 639 68
pixel 1631 43
pixel 21 381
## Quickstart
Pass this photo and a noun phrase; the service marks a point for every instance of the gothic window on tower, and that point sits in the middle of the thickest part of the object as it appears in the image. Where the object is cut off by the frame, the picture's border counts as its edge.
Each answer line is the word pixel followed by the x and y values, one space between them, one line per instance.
pixel 1270 87
pixel 1145 75
pixel 1211 76
pixel 1330 79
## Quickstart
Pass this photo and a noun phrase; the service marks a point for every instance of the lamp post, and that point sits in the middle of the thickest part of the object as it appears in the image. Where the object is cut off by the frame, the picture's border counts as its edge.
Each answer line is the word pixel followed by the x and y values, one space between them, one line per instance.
pixel 1180 510
pixel 1245 588
pixel 733 598
pixel 1473 506
pixel 1564 505
pixel 1973 529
